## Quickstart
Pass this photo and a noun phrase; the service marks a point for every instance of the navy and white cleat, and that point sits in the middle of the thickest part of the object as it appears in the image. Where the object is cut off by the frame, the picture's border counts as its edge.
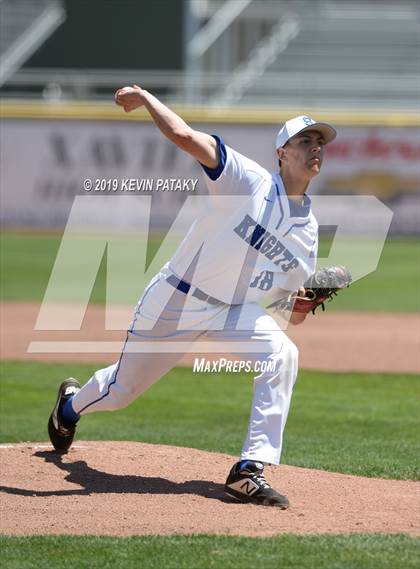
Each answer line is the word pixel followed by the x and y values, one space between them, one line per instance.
pixel 62 434
pixel 246 483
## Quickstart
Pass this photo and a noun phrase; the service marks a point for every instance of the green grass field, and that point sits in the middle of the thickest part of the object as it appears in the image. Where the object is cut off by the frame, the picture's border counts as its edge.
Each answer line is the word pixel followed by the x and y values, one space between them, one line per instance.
pixel 354 423
pixel 212 552
pixel 27 260
pixel 363 424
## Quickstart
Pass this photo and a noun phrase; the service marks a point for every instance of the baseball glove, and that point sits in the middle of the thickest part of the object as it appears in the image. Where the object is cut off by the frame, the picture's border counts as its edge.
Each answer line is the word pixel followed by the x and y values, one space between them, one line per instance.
pixel 320 287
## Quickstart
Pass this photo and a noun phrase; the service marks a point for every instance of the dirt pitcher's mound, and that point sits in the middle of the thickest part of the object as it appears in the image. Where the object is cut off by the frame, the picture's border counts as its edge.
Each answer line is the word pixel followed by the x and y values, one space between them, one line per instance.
pixel 122 488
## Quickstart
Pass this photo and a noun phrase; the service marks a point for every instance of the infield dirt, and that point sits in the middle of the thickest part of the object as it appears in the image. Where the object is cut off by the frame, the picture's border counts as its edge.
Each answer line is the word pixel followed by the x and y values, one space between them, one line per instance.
pixel 122 488
pixel 330 341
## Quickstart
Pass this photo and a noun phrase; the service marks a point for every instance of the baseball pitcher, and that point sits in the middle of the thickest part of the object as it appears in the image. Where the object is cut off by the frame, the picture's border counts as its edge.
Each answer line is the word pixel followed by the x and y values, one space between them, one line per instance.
pixel 257 236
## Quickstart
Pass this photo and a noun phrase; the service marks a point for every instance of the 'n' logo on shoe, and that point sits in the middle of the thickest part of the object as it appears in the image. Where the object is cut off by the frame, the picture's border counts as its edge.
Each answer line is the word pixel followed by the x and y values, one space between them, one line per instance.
pixel 247 486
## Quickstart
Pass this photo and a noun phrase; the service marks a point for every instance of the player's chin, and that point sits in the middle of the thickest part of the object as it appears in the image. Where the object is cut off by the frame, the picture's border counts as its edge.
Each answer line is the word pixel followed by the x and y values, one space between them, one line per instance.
pixel 314 168
pixel 314 164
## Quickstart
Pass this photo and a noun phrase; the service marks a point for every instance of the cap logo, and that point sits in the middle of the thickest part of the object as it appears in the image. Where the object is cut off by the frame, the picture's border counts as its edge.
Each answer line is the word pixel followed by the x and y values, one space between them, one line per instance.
pixel 308 121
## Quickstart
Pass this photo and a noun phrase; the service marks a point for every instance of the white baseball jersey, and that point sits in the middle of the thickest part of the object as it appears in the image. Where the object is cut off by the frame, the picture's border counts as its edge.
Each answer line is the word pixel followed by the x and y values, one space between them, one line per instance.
pixel 251 239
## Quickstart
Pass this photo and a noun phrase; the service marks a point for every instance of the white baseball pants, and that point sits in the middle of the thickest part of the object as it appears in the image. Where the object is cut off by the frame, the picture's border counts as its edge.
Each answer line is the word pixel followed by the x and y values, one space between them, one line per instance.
pixel 158 339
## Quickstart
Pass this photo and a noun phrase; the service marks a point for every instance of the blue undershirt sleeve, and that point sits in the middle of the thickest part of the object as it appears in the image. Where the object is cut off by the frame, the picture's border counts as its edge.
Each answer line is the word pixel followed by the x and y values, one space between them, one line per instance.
pixel 214 173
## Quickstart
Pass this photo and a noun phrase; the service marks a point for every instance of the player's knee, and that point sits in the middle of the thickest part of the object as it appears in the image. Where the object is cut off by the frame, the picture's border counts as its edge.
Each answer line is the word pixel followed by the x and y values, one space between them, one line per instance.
pixel 283 345
pixel 291 351
pixel 276 342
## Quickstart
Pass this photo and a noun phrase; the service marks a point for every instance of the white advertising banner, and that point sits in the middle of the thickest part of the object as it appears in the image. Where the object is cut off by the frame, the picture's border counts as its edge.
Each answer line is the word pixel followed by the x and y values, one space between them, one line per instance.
pixel 45 164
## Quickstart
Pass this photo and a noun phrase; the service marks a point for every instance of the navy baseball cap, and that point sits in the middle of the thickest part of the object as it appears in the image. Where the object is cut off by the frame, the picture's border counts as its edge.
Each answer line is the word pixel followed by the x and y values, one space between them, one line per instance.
pixel 299 124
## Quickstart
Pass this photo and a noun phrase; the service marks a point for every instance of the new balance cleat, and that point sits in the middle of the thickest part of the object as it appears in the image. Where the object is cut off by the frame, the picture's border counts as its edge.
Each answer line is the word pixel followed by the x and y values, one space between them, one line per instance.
pixel 246 483
pixel 62 434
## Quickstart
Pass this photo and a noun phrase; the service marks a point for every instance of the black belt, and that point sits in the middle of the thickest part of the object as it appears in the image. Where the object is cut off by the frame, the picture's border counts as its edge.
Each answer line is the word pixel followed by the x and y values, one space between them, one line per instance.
pixel 185 287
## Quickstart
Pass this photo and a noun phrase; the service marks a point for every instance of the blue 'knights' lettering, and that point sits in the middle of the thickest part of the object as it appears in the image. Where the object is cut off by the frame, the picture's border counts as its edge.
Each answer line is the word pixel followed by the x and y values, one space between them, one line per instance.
pixel 266 243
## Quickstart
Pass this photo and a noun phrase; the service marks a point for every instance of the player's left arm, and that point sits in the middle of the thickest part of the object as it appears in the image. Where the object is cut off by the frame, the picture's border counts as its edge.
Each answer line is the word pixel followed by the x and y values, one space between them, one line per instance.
pixel 298 317
pixel 284 304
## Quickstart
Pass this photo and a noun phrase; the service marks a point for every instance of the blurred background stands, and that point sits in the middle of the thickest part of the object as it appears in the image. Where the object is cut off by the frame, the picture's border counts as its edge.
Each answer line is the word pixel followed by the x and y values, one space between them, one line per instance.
pixel 327 54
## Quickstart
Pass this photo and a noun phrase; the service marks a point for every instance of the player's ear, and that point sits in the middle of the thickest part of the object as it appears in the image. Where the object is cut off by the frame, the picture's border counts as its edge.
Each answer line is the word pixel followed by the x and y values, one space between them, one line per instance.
pixel 281 152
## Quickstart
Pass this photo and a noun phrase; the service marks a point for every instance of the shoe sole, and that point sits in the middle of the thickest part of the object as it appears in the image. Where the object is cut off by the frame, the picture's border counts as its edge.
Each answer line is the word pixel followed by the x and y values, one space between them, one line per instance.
pixel 61 443
pixel 249 500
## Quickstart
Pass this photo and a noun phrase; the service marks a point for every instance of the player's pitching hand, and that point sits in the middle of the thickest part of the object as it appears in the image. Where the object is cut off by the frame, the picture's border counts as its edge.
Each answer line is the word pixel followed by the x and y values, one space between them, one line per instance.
pixel 130 98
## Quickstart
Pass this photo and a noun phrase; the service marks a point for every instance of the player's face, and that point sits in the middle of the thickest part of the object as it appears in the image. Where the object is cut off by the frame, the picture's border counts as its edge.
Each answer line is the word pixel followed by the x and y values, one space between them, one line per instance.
pixel 304 153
